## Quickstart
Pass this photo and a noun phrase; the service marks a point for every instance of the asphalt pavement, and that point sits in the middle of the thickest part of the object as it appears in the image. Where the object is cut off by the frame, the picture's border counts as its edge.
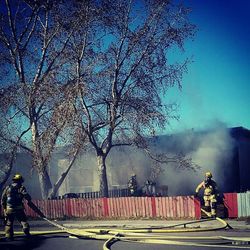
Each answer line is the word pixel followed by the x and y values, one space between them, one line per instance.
pixel 239 228
pixel 144 223
pixel 243 224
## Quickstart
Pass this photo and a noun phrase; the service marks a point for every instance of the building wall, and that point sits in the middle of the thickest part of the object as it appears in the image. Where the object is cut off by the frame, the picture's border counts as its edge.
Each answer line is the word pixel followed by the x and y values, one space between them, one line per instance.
pixel 225 152
pixel 244 165
pixel 23 165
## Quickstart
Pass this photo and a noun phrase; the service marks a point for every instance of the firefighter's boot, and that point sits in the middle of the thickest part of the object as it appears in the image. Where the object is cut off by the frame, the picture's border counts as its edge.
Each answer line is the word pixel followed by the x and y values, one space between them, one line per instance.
pixel 26 229
pixel 9 233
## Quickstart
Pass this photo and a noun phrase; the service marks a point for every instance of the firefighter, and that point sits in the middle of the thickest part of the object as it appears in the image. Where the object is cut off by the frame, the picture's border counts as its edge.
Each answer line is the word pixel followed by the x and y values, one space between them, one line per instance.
pixel 132 185
pixel 12 203
pixel 210 193
pixel 150 188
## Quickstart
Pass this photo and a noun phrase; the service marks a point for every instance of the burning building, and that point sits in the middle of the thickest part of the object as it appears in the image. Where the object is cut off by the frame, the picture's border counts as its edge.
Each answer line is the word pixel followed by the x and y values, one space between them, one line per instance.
pixel 225 152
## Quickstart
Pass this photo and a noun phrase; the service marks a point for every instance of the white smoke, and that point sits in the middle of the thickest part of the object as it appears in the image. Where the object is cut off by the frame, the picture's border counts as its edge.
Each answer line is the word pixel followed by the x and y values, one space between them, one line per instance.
pixel 212 150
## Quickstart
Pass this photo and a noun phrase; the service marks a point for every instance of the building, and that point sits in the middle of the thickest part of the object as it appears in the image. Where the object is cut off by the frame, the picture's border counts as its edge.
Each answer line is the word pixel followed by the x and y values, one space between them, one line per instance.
pixel 224 152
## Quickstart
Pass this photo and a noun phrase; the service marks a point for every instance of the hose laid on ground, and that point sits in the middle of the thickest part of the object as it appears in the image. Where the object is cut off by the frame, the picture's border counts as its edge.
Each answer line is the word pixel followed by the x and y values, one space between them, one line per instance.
pixel 166 239
pixel 144 235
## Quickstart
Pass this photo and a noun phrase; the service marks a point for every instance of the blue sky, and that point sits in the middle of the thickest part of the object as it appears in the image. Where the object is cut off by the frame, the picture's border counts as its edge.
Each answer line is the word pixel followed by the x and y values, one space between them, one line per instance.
pixel 216 88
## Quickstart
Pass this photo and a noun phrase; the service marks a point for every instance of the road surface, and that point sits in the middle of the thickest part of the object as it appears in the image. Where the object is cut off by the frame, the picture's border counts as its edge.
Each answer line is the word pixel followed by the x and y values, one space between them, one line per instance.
pixel 62 241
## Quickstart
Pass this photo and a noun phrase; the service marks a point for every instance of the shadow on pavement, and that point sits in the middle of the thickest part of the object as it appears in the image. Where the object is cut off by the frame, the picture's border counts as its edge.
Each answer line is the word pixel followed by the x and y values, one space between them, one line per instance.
pixel 22 243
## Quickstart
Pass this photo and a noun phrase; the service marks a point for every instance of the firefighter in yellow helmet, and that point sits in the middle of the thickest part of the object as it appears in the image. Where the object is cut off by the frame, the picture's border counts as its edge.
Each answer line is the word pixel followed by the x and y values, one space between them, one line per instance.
pixel 132 185
pixel 12 203
pixel 210 193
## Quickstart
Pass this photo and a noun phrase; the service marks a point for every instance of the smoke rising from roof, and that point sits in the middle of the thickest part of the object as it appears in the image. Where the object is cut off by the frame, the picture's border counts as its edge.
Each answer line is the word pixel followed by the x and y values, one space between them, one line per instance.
pixel 211 149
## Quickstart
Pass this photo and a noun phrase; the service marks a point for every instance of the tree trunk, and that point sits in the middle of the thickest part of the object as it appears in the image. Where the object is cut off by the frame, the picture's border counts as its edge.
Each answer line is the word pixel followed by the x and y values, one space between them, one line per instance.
pixel 45 184
pixel 101 161
pixel 55 188
pixel 61 179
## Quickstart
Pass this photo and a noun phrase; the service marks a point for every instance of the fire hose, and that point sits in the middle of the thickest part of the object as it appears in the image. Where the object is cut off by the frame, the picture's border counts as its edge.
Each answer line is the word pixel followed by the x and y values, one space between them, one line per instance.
pixel 145 235
pixel 151 235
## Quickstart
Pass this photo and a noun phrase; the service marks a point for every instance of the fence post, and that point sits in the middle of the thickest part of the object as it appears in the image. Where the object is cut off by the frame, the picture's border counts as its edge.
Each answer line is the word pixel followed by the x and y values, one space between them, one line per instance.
pixel 197 208
pixel 153 204
pixel 105 207
pixel 231 204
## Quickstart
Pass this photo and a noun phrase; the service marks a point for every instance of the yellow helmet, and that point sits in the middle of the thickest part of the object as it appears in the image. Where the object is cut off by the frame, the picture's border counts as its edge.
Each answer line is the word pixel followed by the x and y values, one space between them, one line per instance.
pixel 18 178
pixel 208 175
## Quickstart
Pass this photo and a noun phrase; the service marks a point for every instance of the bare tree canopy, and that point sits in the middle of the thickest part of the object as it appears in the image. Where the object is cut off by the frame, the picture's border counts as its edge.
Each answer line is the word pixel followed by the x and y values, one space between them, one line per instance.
pixel 127 74
pixel 99 67
pixel 34 78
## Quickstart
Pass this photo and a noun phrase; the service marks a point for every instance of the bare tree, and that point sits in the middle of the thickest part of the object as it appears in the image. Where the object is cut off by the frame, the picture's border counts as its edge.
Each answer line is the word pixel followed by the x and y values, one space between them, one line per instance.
pixel 102 64
pixel 34 78
pixel 127 74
